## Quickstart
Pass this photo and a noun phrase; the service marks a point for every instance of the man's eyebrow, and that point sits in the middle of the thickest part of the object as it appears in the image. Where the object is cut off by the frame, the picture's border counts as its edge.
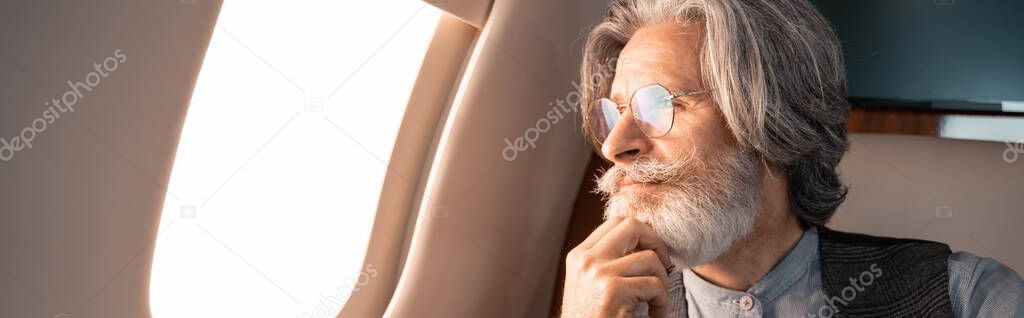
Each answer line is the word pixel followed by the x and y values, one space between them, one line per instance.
pixel 679 86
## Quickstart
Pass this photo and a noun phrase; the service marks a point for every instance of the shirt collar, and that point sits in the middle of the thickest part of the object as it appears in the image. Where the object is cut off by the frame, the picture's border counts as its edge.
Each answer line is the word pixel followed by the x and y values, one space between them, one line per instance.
pixel 768 288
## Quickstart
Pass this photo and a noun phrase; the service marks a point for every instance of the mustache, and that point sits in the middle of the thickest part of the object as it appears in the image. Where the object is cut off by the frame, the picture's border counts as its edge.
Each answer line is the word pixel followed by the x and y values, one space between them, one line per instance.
pixel 679 172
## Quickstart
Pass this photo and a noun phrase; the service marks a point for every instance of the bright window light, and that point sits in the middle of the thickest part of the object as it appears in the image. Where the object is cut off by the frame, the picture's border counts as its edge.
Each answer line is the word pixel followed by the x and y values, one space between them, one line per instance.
pixel 283 156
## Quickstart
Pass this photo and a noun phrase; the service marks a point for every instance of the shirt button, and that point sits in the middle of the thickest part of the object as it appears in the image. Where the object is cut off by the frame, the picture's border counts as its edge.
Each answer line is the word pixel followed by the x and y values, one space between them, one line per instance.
pixel 746 302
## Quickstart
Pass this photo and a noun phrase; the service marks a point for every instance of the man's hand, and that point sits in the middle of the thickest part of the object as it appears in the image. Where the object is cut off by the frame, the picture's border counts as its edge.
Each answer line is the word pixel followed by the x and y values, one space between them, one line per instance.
pixel 623 263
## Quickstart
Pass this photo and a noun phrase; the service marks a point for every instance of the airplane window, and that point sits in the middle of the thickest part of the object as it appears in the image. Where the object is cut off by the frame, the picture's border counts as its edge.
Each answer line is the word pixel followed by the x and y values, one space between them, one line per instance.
pixel 283 155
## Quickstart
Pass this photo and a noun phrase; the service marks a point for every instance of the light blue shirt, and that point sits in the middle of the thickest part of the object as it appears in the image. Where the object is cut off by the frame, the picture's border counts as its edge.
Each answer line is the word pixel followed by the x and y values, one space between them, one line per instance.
pixel 978 287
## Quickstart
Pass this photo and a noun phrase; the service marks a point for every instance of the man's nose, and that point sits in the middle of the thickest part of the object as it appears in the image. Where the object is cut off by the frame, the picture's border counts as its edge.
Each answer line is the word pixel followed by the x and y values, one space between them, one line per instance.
pixel 626 141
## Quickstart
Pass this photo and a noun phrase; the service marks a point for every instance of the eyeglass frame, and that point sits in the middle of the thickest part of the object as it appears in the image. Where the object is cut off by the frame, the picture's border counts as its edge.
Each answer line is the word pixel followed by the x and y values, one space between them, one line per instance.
pixel 671 96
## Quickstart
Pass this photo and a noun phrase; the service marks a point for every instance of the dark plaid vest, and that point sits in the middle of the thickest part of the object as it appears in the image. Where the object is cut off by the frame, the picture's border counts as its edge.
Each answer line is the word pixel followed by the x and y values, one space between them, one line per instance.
pixel 868 276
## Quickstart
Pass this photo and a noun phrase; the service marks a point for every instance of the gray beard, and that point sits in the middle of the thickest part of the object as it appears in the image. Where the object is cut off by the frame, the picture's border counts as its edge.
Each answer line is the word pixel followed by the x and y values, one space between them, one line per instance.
pixel 701 209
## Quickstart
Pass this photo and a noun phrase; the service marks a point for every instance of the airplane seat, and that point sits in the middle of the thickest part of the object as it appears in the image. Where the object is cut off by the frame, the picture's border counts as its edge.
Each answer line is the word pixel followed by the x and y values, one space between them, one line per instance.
pixel 962 193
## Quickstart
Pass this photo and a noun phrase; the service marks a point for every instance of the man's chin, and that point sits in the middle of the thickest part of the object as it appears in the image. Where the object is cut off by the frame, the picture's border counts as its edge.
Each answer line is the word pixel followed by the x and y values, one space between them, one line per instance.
pixel 694 237
pixel 699 217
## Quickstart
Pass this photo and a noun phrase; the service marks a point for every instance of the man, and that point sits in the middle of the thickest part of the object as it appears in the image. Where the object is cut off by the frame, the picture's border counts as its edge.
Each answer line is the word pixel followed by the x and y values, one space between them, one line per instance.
pixel 725 120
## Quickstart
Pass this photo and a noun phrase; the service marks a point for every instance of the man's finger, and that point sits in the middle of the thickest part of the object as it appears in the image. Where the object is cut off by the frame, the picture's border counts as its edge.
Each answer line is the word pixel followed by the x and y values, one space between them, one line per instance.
pixel 600 232
pixel 630 235
pixel 641 263
pixel 650 290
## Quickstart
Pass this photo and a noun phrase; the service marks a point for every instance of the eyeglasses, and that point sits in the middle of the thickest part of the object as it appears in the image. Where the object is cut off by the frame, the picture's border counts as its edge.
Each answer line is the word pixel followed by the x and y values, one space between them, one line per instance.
pixel 652 106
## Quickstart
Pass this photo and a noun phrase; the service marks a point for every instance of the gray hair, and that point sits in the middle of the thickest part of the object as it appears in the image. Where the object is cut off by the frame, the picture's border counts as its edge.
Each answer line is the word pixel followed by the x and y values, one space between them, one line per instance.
pixel 777 73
